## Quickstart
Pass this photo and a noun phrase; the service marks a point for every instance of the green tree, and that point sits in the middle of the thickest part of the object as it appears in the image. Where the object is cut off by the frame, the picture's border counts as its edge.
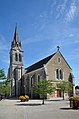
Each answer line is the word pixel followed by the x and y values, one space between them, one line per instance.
pixel 2 74
pixel 65 87
pixel 43 87
pixel 2 77
pixel 7 87
pixel 4 83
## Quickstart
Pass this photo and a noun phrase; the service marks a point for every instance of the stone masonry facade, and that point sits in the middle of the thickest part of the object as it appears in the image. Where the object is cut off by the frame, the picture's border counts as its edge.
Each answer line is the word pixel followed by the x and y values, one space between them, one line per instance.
pixel 53 67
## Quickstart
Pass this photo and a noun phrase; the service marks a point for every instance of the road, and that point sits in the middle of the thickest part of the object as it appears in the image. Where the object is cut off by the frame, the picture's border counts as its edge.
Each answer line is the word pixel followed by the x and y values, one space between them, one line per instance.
pixel 14 109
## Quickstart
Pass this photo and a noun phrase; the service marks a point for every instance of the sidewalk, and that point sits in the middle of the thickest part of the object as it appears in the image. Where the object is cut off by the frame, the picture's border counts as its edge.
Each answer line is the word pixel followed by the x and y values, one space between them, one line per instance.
pixel 33 109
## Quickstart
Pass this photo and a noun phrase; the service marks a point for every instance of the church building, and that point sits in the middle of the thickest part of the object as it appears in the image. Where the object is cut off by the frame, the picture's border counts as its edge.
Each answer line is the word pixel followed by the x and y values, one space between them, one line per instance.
pixel 53 67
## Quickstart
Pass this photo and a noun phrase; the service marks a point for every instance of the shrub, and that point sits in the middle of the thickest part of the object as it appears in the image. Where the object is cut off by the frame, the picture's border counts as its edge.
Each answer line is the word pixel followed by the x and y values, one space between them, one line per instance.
pixel 74 102
pixel 24 98
pixel 76 98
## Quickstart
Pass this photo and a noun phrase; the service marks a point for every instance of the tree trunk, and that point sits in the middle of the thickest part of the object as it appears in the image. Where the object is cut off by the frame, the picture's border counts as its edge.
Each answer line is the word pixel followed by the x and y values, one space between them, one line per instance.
pixel 43 100
pixel 63 94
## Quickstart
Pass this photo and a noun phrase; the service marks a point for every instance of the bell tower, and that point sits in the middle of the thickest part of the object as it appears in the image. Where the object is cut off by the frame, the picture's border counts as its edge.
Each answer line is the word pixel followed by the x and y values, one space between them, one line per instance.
pixel 16 69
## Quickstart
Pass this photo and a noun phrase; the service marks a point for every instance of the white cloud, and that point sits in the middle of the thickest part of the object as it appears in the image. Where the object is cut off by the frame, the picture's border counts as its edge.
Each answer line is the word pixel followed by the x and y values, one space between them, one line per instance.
pixel 52 5
pixel 41 16
pixel 61 9
pixel 71 35
pixel 65 9
pixel 72 11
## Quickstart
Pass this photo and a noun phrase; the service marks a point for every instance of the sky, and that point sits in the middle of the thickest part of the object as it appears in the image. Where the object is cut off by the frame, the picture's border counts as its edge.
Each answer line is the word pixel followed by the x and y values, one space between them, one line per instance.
pixel 42 26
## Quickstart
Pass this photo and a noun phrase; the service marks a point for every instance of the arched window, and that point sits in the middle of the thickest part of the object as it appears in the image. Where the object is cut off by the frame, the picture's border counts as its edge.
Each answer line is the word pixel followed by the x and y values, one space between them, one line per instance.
pixel 59 74
pixel 31 81
pixel 20 57
pixel 16 57
pixel 38 78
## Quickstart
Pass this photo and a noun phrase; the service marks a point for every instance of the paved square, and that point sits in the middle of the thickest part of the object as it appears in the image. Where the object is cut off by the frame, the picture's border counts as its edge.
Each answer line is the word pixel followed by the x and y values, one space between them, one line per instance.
pixel 14 109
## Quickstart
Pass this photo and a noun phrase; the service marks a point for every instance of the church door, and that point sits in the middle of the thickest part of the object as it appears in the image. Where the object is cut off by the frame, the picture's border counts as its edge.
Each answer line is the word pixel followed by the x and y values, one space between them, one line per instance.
pixel 58 93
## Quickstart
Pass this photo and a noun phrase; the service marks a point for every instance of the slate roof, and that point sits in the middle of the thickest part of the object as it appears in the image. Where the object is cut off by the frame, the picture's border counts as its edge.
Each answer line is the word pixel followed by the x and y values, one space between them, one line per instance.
pixel 39 64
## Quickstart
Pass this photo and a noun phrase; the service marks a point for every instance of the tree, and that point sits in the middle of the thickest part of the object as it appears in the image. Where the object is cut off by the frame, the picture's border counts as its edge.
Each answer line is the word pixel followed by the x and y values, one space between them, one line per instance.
pixel 2 74
pixel 65 87
pixel 7 87
pixel 2 77
pixel 43 87
pixel 4 83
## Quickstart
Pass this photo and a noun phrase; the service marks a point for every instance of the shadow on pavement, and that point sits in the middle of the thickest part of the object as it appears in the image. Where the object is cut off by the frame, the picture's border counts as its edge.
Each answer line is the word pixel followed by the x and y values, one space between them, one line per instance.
pixel 56 100
pixel 23 104
pixel 13 98
pixel 68 109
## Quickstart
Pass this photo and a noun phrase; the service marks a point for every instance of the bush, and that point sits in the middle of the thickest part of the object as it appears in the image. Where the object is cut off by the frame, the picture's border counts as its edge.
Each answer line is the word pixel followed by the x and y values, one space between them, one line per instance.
pixel 76 98
pixel 24 98
pixel 74 102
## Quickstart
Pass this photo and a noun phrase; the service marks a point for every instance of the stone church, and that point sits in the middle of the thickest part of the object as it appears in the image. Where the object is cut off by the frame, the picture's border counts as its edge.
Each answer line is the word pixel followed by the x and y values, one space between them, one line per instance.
pixel 53 67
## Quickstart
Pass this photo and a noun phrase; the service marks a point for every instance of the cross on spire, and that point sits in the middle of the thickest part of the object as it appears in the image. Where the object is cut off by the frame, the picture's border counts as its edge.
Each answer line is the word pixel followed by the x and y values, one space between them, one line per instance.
pixel 58 48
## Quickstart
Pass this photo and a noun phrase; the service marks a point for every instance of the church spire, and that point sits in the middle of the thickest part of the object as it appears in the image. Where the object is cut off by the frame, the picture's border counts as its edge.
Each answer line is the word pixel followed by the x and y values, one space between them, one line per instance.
pixel 16 41
pixel 16 37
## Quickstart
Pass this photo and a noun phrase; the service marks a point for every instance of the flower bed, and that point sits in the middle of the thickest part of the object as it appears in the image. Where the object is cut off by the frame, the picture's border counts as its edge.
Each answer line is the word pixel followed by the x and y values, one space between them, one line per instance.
pixel 24 98
pixel 74 102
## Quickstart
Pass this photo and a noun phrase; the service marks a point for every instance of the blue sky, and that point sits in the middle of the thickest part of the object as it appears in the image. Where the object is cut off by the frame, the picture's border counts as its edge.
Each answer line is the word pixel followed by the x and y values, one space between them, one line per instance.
pixel 42 25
